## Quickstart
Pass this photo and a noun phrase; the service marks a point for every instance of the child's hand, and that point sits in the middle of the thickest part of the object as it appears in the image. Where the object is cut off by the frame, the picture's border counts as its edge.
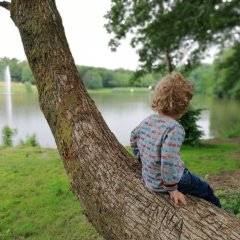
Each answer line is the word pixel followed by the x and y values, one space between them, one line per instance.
pixel 178 197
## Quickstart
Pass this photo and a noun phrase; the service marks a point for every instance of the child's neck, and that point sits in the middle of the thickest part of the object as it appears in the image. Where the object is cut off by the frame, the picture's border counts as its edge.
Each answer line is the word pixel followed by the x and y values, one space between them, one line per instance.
pixel 175 117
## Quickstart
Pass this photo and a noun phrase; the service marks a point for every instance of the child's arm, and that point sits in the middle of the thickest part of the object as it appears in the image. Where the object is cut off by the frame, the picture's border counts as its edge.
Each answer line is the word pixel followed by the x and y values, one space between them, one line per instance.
pixel 172 166
pixel 133 143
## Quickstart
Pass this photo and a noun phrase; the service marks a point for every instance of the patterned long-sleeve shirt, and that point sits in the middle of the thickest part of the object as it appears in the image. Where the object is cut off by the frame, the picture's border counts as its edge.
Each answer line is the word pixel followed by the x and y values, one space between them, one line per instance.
pixel 156 142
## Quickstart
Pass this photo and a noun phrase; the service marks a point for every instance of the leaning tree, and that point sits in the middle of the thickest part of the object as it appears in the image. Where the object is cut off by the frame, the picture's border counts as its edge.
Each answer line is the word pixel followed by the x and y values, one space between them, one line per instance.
pixel 104 176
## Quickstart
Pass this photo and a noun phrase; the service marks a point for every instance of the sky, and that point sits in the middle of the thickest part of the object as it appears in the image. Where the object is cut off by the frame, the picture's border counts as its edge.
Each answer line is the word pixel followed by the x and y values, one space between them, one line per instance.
pixel 84 27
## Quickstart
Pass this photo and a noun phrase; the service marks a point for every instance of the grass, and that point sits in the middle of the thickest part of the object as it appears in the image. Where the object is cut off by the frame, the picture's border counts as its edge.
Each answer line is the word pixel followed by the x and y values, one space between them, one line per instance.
pixel 118 89
pixel 16 87
pixel 36 202
pixel 211 158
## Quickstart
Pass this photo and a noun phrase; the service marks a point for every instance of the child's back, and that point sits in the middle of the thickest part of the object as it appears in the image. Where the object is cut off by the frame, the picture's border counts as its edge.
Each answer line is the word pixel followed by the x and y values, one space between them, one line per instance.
pixel 157 140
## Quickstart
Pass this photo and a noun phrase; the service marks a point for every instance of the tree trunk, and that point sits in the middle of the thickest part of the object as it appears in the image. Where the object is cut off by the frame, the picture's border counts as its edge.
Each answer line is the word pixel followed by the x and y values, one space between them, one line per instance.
pixel 104 176
pixel 168 61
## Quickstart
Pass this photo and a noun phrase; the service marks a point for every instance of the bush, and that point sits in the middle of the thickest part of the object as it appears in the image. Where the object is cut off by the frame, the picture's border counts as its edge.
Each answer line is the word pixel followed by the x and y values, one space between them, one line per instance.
pixel 7 135
pixel 189 122
pixel 31 140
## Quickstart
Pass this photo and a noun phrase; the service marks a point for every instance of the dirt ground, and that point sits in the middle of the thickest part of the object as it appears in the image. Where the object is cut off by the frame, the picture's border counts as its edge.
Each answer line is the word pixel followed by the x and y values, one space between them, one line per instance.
pixel 230 180
pixel 227 181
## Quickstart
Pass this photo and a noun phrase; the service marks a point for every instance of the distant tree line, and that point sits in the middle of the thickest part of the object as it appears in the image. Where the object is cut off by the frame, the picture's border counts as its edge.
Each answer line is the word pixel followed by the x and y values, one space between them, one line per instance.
pixel 92 77
pixel 20 70
pixel 221 78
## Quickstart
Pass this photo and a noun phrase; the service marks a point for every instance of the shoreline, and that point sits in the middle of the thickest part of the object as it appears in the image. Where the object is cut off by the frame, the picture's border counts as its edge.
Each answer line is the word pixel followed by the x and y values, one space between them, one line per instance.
pixel 22 88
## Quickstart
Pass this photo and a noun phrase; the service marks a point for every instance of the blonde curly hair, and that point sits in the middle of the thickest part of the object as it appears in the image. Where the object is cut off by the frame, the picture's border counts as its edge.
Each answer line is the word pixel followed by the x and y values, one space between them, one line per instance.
pixel 172 95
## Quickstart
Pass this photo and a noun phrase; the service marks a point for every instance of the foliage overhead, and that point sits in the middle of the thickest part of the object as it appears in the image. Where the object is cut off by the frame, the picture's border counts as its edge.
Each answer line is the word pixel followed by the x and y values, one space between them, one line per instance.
pixel 165 33
pixel 202 78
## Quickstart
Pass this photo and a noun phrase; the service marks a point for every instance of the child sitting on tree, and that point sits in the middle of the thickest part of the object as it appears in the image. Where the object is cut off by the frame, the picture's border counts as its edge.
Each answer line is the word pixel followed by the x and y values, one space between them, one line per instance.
pixel 156 142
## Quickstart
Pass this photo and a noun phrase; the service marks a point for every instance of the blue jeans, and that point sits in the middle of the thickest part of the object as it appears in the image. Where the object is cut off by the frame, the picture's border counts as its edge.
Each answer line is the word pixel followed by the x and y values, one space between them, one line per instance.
pixel 194 185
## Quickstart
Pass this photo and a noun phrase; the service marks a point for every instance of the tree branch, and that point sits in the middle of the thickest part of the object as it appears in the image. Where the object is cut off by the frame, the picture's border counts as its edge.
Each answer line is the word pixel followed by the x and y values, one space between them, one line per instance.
pixel 5 5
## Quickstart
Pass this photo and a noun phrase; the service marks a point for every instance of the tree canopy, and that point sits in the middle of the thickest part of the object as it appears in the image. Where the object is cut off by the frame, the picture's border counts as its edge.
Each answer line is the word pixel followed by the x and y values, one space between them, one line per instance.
pixel 173 33
pixel 227 74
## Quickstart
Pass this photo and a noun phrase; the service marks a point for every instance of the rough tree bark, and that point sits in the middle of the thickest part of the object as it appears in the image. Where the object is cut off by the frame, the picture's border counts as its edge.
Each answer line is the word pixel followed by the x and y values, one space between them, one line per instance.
pixel 104 176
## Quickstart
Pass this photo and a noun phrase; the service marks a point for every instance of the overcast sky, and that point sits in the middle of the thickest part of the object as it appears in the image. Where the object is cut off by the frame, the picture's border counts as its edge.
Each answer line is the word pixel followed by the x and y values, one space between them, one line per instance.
pixel 83 21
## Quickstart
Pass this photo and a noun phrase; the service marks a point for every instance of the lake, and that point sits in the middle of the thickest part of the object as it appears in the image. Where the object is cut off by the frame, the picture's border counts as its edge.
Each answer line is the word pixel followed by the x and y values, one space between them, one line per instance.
pixel 122 110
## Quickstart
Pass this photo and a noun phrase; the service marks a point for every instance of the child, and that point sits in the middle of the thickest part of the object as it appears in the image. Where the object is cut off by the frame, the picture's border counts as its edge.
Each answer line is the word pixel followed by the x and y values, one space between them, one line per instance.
pixel 156 142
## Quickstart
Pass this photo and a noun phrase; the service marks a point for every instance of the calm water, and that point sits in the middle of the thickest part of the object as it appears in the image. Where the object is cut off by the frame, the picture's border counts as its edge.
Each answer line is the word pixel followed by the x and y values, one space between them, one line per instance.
pixel 121 110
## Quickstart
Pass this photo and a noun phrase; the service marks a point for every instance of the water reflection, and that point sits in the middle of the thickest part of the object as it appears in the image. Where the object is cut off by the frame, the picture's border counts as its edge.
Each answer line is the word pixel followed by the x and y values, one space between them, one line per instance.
pixel 225 116
pixel 121 110
pixel 8 96
pixel 9 109
pixel 27 118
pixel 204 124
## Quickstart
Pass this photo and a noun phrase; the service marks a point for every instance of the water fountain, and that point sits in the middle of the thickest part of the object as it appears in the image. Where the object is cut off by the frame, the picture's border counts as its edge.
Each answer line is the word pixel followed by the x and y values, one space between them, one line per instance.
pixel 7 78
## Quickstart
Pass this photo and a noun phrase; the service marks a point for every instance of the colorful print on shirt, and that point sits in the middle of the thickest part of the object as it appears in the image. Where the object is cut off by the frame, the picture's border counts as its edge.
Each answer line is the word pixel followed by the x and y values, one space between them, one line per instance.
pixel 156 142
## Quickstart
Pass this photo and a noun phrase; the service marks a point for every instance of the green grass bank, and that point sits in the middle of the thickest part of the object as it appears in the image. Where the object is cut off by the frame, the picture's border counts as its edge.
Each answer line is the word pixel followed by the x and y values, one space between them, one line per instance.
pixel 36 202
